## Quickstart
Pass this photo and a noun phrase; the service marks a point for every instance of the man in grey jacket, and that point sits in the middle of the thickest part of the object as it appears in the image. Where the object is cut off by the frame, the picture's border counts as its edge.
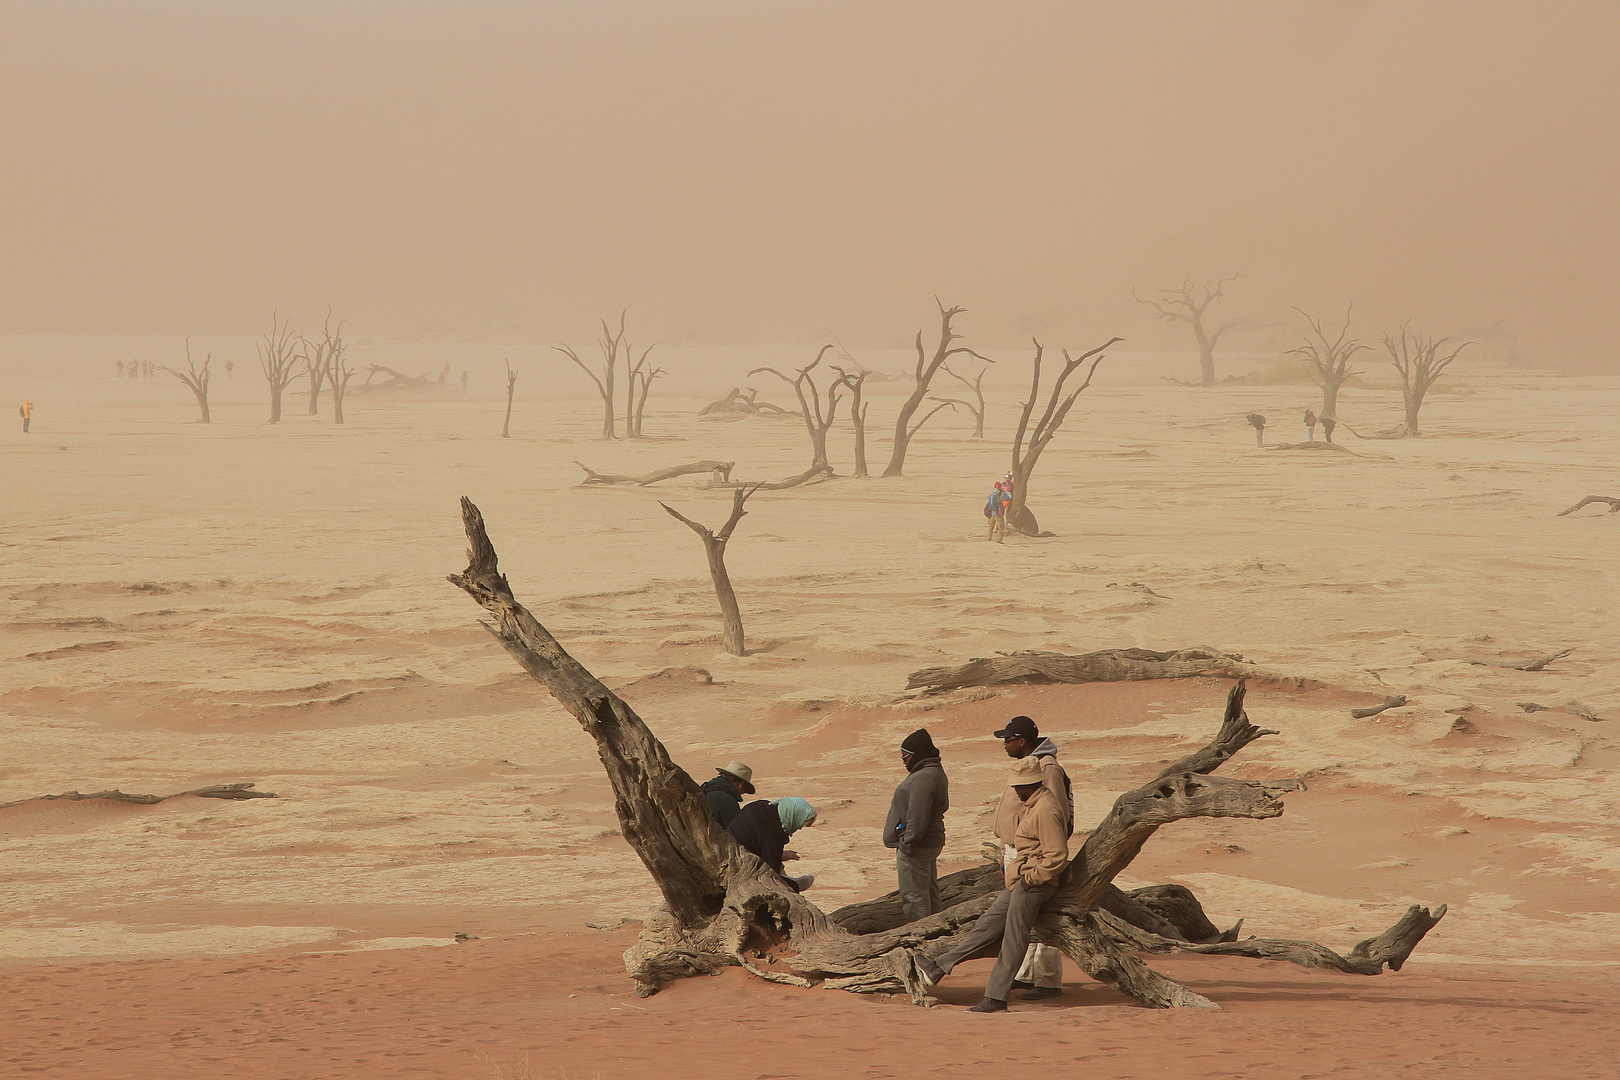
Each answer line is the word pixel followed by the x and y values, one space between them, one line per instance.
pixel 915 826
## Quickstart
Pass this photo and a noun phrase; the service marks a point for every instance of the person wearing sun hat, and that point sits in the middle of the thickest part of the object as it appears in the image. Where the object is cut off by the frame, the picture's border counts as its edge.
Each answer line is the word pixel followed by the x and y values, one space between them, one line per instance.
pixel 726 790
pixel 1041 851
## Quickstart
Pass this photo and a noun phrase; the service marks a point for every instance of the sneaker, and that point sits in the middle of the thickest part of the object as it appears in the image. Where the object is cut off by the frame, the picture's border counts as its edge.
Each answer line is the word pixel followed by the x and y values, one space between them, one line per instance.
pixel 989 1004
pixel 928 971
pixel 1017 985
pixel 1041 993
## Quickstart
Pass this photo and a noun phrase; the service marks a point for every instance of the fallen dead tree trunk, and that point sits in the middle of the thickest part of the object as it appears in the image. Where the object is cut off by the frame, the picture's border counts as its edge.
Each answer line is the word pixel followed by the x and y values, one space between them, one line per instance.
pixel 721 471
pixel 738 403
pixel 1107 665
pixel 813 474
pixel 213 791
pixel 1389 703
pixel 1526 665
pixel 1612 501
pixel 724 907
pixel 397 381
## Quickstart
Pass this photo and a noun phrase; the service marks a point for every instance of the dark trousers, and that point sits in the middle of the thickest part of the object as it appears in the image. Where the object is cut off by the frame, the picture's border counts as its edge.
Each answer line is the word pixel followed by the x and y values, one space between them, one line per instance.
pixel 919 882
pixel 1008 921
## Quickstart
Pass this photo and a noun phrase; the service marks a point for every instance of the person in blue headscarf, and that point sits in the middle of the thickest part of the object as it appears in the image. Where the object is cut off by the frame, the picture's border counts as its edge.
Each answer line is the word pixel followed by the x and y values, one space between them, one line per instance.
pixel 763 827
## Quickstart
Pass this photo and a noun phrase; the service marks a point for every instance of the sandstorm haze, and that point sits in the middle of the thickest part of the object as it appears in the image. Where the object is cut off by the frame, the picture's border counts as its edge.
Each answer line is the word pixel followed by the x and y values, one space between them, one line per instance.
pixel 772 172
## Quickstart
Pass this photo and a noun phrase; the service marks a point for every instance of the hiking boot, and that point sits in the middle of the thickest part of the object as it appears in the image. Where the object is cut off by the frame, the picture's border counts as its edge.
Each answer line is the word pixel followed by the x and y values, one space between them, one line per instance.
pixel 928 971
pixel 989 1004
pixel 1041 993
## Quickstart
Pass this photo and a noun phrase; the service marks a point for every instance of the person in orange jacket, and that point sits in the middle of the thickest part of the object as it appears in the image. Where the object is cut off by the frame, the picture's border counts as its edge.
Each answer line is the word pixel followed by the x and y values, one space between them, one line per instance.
pixel 26 411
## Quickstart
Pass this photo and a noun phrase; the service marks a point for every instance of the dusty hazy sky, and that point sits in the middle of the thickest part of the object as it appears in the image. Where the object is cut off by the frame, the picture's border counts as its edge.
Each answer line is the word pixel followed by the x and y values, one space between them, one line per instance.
pixel 776 170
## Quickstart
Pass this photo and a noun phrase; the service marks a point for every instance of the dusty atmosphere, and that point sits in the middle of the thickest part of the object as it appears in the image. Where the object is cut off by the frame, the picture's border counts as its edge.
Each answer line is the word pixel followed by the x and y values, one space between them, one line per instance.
pixel 440 885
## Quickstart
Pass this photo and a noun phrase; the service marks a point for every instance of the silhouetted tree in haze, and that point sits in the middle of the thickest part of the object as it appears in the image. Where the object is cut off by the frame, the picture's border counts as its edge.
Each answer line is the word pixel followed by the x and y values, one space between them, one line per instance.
pixel 926 368
pixel 1031 441
pixel 1185 305
pixel 1328 363
pixel 278 361
pixel 195 378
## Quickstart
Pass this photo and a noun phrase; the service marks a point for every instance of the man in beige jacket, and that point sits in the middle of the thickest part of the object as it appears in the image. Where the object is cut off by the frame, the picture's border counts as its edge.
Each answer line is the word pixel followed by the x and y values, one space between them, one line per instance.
pixel 1042 973
pixel 1041 851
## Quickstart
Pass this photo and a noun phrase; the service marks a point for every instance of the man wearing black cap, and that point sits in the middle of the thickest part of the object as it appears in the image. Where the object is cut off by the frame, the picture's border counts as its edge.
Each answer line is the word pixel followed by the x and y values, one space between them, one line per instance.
pixel 1042 973
pixel 915 826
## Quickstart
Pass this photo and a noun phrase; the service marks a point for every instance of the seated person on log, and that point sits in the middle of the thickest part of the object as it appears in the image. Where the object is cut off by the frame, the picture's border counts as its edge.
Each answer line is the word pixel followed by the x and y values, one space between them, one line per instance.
pixel 1041 841
pixel 726 790
pixel 763 827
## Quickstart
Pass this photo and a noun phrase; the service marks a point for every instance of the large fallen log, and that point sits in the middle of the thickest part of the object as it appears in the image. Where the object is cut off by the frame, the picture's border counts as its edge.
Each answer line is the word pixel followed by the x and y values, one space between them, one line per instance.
pixel 1106 665
pixel 814 474
pixel 720 472
pixel 723 906
pixel 212 791
pixel 1526 665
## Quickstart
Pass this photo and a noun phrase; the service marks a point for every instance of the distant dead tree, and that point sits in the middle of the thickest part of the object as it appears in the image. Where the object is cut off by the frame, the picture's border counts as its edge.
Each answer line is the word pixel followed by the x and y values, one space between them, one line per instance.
pixel 976 406
pixel 338 371
pixel 196 379
pixel 904 429
pixel 737 403
pixel 1185 305
pixel 640 382
pixel 1029 443
pixel 278 360
pixel 856 382
pixel 714 545
pixel 511 389
pixel 610 344
pixel 1328 362
pixel 1418 358
pixel 817 421
pixel 317 357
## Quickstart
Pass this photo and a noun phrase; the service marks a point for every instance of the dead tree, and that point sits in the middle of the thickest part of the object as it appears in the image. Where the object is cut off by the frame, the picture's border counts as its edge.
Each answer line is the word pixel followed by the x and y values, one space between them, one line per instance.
pixel 611 344
pixel 1029 443
pixel 316 357
pixel 976 407
pixel 196 380
pixel 855 381
pixel 338 371
pixel 1612 501
pixel 737 403
pixel 1184 305
pixel 1328 364
pixel 724 907
pixel 1420 363
pixel 714 545
pixel 640 382
pixel 924 373
pixel 817 421
pixel 398 381
pixel 721 471
pixel 278 361
pixel 511 389
pixel 1106 665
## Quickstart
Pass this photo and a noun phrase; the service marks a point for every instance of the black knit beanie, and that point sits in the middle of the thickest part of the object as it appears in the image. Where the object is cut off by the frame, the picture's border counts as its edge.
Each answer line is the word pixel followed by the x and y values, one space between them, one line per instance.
pixel 920 744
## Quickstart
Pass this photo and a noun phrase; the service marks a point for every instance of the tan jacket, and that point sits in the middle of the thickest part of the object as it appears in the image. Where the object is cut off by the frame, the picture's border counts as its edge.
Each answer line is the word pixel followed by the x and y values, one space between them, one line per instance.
pixel 1040 843
pixel 1055 781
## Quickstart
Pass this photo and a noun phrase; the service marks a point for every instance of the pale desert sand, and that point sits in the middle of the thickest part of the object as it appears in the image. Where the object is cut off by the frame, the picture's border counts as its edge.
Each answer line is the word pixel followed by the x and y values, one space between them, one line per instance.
pixel 186 605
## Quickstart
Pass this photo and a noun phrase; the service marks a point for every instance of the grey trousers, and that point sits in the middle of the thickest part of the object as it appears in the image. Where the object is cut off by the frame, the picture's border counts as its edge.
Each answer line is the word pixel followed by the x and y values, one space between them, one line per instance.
pixel 1008 921
pixel 919 882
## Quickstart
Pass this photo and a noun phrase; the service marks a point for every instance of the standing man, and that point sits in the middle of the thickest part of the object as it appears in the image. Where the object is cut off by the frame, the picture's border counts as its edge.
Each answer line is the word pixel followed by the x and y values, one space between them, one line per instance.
pixel 726 790
pixel 1257 422
pixel 1328 424
pixel 1041 851
pixel 1310 426
pixel 1041 975
pixel 915 826
pixel 26 411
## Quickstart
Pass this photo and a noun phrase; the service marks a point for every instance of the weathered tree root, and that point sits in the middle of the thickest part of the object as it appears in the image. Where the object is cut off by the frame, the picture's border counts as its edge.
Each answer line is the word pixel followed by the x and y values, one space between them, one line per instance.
pixel 213 791
pixel 724 907
pixel 739 404
pixel 1613 502
pixel 720 473
pixel 1107 665
pixel 1389 703
pixel 1526 665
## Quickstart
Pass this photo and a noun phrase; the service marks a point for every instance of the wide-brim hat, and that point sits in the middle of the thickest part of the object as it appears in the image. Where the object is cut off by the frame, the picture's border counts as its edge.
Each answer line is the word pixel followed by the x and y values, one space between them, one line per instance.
pixel 1025 771
pixel 740 773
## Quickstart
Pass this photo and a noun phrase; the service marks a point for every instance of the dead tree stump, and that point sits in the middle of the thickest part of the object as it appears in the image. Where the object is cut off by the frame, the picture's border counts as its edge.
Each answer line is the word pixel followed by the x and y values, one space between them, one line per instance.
pixel 724 907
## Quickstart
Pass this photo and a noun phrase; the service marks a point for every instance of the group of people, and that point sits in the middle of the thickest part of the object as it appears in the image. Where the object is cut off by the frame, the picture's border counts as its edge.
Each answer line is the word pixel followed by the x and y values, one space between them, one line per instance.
pixel 138 369
pixel 1258 422
pixel 1001 497
pixel 1034 821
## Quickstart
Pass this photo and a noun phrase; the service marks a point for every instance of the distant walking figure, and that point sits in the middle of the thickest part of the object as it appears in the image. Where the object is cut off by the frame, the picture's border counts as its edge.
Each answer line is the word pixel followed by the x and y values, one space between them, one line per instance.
pixel 1257 422
pixel 26 411
pixel 230 368
pixel 1328 424
pixel 120 369
pixel 996 509
pixel 464 382
pixel 1310 426
pixel 444 376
